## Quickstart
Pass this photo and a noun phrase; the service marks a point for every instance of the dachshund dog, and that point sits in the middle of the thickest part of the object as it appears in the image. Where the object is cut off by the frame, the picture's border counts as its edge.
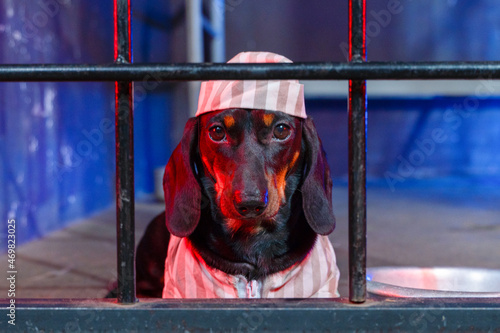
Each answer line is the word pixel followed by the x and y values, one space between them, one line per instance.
pixel 251 189
pixel 248 202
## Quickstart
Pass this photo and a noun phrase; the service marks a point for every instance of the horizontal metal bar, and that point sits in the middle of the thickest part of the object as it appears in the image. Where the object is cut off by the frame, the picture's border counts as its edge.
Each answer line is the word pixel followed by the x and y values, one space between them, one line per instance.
pixel 206 71
pixel 420 315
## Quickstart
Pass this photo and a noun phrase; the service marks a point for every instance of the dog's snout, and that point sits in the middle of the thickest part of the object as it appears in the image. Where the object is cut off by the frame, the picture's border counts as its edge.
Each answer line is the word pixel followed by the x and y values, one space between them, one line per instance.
pixel 250 205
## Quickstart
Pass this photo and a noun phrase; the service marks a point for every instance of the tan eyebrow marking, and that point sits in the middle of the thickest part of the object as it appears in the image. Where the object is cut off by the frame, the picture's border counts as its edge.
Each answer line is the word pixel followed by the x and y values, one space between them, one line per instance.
pixel 228 121
pixel 294 159
pixel 268 119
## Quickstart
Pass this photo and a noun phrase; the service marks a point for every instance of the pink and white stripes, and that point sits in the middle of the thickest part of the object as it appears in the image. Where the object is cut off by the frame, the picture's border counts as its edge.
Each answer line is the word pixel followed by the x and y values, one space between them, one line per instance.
pixel 274 95
pixel 188 276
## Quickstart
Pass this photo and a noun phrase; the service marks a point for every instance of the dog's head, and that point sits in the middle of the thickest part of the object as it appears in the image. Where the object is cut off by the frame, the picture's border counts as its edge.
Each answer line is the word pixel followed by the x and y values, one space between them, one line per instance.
pixel 249 163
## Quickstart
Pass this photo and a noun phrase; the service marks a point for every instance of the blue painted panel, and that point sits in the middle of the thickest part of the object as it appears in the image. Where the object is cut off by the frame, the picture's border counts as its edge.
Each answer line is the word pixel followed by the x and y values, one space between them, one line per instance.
pixel 416 139
pixel 56 139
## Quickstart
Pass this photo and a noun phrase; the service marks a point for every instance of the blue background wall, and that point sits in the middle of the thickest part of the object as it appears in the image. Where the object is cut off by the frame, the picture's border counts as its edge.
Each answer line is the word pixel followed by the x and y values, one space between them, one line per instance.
pixel 399 129
pixel 57 139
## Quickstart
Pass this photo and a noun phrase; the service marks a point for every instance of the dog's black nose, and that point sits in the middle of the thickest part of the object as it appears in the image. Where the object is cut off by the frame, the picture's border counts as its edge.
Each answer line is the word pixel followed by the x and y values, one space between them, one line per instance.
pixel 250 206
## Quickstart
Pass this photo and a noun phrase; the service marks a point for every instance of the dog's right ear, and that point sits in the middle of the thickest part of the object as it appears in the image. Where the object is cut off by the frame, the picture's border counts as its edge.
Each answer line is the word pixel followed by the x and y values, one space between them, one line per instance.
pixel 317 186
pixel 182 190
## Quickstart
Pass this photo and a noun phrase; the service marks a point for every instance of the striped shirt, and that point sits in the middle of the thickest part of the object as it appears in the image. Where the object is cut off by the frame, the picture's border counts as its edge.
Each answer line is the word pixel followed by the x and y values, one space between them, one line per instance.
pixel 188 276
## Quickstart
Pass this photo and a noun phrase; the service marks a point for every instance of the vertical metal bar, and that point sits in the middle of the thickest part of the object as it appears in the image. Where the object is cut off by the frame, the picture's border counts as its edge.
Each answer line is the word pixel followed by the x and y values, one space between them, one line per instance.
pixel 357 156
pixel 124 158
pixel 218 42
pixel 194 35
pixel 194 30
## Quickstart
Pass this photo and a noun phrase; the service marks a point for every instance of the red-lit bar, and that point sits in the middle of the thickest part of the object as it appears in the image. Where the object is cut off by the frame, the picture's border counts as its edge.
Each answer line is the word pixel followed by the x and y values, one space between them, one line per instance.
pixel 357 156
pixel 124 159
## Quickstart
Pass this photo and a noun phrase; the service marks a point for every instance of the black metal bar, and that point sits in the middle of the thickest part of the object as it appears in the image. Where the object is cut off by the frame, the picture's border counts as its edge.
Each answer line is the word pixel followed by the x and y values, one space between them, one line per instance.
pixel 413 315
pixel 301 71
pixel 124 119
pixel 357 157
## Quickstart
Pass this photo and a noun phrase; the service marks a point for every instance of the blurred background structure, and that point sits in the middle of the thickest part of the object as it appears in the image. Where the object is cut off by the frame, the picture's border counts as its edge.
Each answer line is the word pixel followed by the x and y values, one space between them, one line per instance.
pixel 57 139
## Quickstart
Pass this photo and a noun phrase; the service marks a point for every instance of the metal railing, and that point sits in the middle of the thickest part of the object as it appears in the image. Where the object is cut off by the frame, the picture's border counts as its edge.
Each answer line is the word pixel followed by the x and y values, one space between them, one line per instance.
pixel 126 313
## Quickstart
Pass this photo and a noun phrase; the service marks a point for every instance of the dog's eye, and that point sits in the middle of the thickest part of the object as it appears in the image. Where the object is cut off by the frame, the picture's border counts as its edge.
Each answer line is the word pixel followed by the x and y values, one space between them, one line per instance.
pixel 281 132
pixel 217 133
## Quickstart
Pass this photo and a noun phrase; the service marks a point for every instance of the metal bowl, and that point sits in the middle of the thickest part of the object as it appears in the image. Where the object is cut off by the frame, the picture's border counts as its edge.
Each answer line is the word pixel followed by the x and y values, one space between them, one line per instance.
pixel 433 282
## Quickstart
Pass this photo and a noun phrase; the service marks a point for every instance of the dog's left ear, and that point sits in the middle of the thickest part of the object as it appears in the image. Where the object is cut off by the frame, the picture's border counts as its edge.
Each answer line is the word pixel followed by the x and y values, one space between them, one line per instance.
pixel 317 185
pixel 182 190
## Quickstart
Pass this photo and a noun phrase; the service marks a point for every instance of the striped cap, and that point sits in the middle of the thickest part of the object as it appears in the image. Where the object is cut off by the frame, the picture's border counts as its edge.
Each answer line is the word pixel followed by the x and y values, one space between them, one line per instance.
pixel 274 95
